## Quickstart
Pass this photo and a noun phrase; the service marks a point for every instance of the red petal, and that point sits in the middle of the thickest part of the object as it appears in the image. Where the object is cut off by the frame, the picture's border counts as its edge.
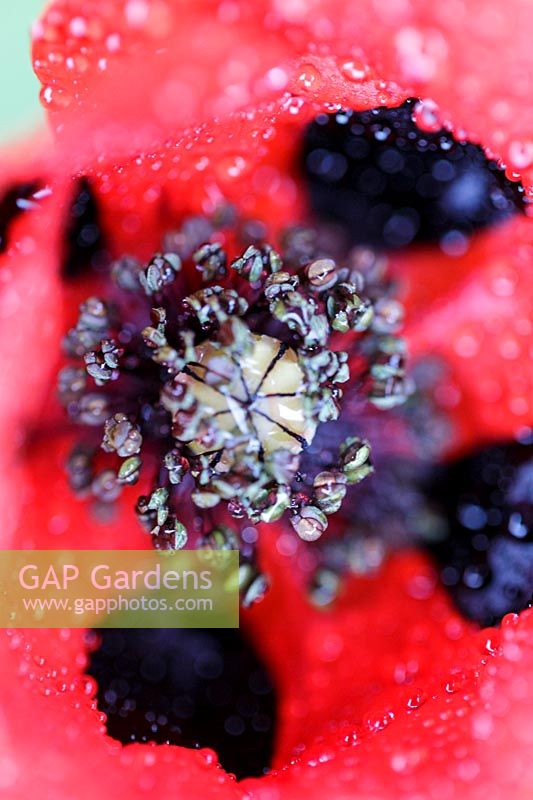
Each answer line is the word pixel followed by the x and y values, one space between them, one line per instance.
pixel 474 313
pixel 464 735
pixel 92 56
pixel 251 160
pixel 365 710
pixel 391 674
pixel 53 738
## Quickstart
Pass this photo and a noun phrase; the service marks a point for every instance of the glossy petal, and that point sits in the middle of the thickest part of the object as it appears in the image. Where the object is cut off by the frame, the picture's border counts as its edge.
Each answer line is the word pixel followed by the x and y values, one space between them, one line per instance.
pixel 472 314
pixel 236 55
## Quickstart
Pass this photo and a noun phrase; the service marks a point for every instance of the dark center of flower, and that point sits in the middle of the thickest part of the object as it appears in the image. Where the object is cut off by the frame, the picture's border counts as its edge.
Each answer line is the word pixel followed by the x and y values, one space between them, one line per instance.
pixel 83 246
pixel 193 688
pixel 485 547
pixel 14 202
pixel 392 176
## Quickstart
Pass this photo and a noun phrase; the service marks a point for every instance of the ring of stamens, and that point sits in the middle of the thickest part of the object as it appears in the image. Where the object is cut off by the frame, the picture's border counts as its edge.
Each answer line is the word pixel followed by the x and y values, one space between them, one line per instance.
pixel 230 385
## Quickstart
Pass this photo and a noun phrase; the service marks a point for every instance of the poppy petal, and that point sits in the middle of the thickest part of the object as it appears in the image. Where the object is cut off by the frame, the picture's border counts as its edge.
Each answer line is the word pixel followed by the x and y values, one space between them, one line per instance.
pixel 87 55
pixel 483 300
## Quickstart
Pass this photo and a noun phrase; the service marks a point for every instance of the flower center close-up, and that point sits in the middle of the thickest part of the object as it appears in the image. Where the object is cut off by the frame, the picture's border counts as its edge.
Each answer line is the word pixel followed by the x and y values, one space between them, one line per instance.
pixel 266 295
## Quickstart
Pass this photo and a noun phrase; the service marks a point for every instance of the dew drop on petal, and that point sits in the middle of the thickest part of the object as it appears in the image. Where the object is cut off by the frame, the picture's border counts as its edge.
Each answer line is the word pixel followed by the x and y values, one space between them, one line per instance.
pixel 520 154
pixel 136 12
pixel 277 78
pixel 231 167
pixel 416 700
pixel 113 42
pixel 78 26
pixel 293 105
pixel 354 71
pixel 420 53
pixel 9 772
pixel 308 78
pixel 426 116
pixel 54 97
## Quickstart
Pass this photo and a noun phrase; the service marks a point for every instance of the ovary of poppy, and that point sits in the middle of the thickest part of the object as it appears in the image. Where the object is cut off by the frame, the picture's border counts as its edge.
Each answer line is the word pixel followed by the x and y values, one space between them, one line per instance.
pixel 390 694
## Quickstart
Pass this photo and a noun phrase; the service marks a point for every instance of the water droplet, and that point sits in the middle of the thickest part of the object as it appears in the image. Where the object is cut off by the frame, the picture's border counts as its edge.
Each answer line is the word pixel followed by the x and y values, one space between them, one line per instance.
pixel 209 756
pixel 54 97
pixel 422 587
pixel 113 42
pixel 231 167
pixel 482 726
pixel 277 78
pixel 375 724
pixel 399 762
pixel 468 769
pixel 136 12
pixel 520 154
pixel 202 163
pixel 466 345
pixel 416 700
pixel 354 71
pixel 420 53
pixel 308 77
pixel 350 739
pixel 519 406
pixel 89 686
pixel 426 115
pixel 292 105
pixel 9 772
pixel 10 302
pixel 456 684
pixel 78 27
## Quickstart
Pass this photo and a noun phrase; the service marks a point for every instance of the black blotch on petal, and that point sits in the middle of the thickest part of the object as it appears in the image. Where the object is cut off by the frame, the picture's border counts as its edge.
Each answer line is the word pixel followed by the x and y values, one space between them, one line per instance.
pixel 84 247
pixel 486 560
pixel 15 201
pixel 195 688
pixel 390 184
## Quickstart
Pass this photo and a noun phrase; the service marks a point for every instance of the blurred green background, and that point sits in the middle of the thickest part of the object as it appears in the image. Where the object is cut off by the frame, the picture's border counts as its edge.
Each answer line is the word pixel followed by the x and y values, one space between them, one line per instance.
pixel 20 109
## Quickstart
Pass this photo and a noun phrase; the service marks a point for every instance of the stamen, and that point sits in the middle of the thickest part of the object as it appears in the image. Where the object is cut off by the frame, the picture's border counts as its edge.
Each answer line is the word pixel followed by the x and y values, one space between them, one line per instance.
pixel 228 384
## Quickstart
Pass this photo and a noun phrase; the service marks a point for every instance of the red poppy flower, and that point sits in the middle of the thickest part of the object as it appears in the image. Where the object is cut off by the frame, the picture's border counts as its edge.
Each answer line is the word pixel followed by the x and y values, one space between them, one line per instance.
pixel 167 109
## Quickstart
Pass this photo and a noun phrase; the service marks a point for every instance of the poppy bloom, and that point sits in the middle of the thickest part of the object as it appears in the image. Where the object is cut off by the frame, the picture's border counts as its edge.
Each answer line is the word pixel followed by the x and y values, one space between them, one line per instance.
pixel 160 112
